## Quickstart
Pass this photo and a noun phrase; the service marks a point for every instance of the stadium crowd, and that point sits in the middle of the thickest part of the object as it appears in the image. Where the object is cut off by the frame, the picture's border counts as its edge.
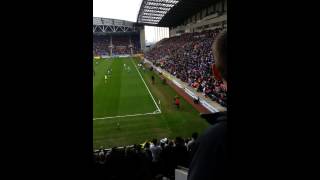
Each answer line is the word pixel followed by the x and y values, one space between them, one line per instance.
pixel 189 57
pixel 121 45
pixel 101 45
pixel 150 160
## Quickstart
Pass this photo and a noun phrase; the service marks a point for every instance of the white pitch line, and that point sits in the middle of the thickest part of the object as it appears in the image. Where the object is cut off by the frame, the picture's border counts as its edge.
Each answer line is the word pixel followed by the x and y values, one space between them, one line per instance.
pixel 146 87
pixel 131 115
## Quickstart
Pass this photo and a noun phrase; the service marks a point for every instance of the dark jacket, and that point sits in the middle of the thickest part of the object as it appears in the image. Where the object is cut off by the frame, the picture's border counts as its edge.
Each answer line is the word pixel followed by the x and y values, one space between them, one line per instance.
pixel 210 153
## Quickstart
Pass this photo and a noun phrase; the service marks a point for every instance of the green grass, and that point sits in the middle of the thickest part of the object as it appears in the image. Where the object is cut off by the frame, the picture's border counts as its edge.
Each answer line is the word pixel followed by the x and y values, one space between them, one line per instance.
pixel 124 93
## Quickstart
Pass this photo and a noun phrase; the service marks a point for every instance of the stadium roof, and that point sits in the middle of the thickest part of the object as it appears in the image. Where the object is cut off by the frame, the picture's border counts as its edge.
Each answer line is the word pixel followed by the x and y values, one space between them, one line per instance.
pixel 152 11
pixel 168 13
pixel 107 25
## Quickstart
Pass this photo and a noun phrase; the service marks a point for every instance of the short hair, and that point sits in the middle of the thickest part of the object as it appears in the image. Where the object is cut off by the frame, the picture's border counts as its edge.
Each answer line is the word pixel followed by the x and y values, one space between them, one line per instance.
pixel 154 141
pixel 162 144
pixel 195 135
pixel 137 147
pixel 179 140
pixel 147 145
pixel 220 53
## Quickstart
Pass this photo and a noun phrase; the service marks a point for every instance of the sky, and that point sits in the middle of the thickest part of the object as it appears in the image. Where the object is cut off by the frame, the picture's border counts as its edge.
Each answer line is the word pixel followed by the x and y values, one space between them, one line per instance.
pixel 117 9
pixel 126 10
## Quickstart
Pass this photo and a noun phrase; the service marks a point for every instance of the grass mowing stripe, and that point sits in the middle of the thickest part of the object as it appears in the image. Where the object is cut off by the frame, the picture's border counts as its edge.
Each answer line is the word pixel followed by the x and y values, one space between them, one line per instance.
pixel 147 87
pixel 107 94
pixel 134 96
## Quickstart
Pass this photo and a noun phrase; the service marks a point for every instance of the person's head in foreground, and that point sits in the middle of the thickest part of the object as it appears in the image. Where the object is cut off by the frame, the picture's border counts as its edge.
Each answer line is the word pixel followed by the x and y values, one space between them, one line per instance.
pixel 147 145
pixel 209 159
pixel 219 50
pixel 155 142
pixel 195 135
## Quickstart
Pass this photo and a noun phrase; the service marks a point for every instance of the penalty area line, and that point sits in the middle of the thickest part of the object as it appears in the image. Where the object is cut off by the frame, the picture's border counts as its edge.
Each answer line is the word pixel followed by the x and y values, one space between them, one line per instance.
pixel 130 115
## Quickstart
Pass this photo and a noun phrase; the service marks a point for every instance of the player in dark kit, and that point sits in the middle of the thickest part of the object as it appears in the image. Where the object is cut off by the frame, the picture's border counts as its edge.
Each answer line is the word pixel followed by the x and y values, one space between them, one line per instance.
pixel 152 78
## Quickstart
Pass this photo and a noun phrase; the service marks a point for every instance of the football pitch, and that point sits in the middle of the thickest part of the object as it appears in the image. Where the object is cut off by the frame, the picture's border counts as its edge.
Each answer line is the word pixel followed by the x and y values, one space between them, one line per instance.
pixel 128 109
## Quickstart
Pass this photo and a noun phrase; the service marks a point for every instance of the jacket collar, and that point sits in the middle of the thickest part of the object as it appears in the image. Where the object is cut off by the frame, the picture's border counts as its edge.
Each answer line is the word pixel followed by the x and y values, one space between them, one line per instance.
pixel 213 118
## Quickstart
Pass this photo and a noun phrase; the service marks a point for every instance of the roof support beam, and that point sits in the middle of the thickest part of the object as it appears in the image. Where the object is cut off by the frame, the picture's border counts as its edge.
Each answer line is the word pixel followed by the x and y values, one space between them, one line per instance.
pixel 154 10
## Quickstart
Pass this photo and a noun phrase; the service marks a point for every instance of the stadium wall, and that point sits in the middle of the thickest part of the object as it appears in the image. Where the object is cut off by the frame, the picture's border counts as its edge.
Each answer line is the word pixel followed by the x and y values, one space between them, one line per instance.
pixel 211 22
pixel 211 17
pixel 181 173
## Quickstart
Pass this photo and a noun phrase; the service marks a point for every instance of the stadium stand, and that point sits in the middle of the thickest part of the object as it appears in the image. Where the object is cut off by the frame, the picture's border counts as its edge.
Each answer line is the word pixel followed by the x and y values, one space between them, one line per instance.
pixel 113 37
pixel 101 45
pixel 121 44
pixel 140 161
pixel 189 58
pixel 187 54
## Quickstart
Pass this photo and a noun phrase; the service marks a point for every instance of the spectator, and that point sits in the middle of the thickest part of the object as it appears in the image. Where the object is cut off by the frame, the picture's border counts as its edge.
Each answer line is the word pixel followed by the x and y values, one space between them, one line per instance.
pixel 169 159
pixel 143 171
pixel 137 163
pixel 162 145
pixel 161 159
pixel 155 150
pixel 180 152
pixel 148 152
pixel 101 156
pixel 191 143
pixel 189 57
pixel 210 156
